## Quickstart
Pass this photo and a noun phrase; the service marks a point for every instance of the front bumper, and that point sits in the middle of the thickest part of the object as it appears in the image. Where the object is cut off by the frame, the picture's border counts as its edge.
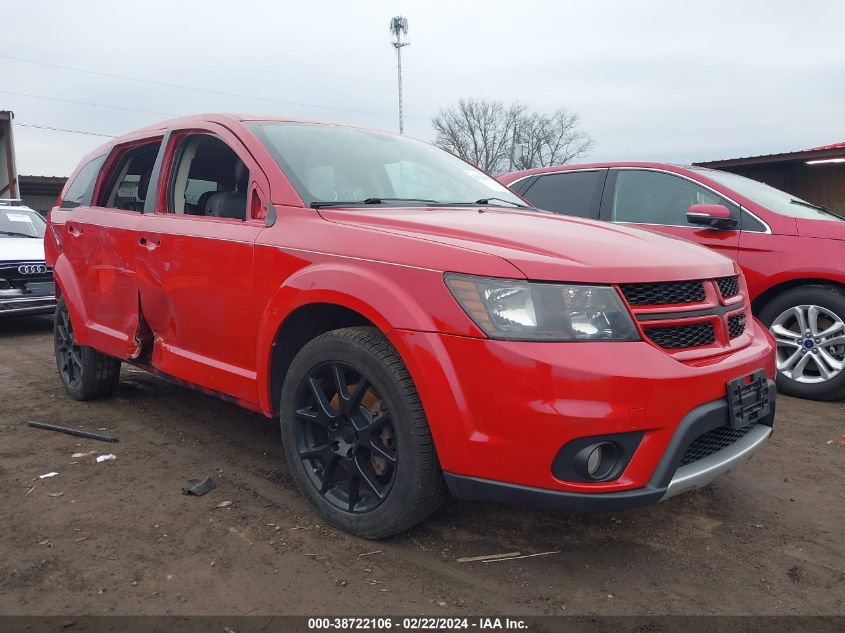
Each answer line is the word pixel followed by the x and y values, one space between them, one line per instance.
pixel 501 411
pixel 27 305
pixel 668 480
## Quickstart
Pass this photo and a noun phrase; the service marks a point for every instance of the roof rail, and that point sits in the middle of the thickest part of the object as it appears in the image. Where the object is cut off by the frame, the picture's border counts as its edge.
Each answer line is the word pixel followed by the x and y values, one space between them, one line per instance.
pixel 10 202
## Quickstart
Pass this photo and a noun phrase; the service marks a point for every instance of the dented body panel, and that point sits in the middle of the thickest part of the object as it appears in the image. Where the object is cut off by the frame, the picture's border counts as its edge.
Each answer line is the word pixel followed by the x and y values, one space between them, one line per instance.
pixel 203 301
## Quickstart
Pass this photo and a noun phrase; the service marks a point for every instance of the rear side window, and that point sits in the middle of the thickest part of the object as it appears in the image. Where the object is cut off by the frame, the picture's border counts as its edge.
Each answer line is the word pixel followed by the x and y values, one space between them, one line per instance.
pixel 576 193
pixel 80 190
pixel 129 179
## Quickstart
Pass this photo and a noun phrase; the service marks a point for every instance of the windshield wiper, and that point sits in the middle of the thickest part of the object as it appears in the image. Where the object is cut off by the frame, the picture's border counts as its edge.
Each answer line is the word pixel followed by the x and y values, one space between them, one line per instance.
pixel 807 204
pixel 383 200
pixel 486 201
pixel 319 204
pixel 16 234
pixel 817 207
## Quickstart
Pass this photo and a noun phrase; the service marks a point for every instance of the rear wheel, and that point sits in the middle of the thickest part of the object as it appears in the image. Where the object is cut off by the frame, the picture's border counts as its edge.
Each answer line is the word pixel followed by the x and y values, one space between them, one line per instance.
pixel 808 324
pixel 356 437
pixel 86 373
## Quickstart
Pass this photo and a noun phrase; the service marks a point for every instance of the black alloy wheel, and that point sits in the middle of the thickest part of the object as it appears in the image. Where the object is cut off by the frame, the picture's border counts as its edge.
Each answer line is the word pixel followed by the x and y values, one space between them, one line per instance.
pixel 85 372
pixel 345 437
pixel 356 436
pixel 68 353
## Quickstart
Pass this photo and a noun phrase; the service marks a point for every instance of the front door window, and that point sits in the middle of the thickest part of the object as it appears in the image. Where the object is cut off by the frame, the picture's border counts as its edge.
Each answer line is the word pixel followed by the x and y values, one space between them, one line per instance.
pixel 650 197
pixel 209 180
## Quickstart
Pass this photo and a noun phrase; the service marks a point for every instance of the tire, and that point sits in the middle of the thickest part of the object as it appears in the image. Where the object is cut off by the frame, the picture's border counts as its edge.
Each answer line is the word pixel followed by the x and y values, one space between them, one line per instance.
pixel 85 373
pixel 803 360
pixel 379 406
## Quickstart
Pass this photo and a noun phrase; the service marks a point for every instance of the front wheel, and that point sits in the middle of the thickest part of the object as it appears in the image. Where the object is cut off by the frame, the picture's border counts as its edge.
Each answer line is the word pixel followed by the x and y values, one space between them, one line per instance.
pixel 356 436
pixel 86 373
pixel 808 324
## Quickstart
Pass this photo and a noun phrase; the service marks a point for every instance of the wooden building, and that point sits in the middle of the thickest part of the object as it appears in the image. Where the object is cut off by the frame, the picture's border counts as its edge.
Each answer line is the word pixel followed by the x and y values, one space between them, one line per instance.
pixel 40 192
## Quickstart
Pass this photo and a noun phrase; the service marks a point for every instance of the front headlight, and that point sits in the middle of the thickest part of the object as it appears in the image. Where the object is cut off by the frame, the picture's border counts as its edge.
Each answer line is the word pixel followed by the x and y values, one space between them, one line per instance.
pixel 521 310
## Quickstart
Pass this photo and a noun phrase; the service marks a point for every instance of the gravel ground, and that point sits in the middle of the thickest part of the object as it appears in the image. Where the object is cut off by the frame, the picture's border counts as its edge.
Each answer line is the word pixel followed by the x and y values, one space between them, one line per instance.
pixel 119 538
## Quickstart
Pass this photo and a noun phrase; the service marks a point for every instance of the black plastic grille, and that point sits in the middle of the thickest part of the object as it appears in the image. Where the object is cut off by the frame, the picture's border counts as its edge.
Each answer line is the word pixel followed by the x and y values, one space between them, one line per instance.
pixel 713 441
pixel 9 272
pixel 663 293
pixel 736 325
pixel 728 286
pixel 682 335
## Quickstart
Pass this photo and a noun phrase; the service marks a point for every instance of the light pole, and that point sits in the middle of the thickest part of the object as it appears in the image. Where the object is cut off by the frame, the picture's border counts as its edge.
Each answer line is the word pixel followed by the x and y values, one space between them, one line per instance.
pixel 399 38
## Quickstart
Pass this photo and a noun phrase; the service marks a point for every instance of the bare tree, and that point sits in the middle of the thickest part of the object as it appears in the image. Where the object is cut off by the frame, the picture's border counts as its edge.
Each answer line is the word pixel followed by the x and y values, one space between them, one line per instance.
pixel 549 139
pixel 497 137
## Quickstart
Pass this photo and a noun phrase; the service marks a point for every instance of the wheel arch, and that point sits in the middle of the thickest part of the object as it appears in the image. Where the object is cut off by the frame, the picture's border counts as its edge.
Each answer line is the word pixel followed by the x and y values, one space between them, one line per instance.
pixel 321 298
pixel 765 297
pixel 302 325
pixel 66 286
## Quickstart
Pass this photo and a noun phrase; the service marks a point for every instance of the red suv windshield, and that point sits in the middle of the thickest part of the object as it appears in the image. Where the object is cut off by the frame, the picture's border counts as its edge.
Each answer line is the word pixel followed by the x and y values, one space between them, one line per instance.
pixel 327 163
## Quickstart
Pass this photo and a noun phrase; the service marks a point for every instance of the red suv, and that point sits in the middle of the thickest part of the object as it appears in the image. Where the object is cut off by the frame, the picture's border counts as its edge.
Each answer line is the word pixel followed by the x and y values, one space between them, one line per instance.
pixel 407 319
pixel 790 250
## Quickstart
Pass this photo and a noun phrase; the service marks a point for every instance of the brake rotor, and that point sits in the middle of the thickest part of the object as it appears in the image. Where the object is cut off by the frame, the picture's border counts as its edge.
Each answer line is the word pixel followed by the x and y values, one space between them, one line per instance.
pixel 375 408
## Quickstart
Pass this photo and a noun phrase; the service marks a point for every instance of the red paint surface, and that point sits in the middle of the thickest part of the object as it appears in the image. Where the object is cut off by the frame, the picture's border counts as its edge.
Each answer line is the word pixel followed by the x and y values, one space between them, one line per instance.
pixel 795 250
pixel 215 292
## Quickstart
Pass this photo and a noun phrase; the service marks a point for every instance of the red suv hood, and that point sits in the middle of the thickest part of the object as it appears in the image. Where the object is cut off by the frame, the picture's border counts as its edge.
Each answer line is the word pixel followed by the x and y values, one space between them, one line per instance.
pixel 548 247
pixel 826 229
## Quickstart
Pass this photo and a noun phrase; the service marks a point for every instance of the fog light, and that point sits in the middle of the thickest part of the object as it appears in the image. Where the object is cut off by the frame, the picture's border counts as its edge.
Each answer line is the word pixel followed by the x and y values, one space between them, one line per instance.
pixel 598 461
pixel 594 461
pixel 4 284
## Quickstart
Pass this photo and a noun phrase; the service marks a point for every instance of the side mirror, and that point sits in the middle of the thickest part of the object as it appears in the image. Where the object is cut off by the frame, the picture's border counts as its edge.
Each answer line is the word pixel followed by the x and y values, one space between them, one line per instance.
pixel 716 216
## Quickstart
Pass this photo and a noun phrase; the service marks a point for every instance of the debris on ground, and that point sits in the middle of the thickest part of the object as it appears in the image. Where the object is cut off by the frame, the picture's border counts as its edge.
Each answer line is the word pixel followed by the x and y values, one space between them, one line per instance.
pixel 47 475
pixel 499 560
pixel 481 559
pixel 199 488
pixel 91 435
pixel 223 504
pixel 78 455
pixel 55 494
pixel 378 551
pixel 106 458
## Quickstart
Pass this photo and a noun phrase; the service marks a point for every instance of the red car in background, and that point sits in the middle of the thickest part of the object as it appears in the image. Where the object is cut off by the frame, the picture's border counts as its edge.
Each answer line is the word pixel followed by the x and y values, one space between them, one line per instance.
pixel 792 251
pixel 410 324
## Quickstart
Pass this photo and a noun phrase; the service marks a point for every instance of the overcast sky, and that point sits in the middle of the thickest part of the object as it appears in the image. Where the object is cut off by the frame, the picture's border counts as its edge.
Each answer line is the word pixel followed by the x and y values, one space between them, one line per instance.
pixel 668 81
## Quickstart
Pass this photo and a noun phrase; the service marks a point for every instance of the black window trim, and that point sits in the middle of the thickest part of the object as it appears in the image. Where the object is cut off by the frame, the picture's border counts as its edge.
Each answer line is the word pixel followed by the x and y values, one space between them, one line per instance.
pixel 607 201
pixel 521 185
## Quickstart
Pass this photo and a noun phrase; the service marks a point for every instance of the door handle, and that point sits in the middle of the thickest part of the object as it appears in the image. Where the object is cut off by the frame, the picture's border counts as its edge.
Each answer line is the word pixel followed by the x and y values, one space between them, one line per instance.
pixel 150 245
pixel 74 230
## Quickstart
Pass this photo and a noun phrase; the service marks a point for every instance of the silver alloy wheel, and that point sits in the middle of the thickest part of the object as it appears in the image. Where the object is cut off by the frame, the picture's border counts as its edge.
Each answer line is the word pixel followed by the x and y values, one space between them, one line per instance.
pixel 810 343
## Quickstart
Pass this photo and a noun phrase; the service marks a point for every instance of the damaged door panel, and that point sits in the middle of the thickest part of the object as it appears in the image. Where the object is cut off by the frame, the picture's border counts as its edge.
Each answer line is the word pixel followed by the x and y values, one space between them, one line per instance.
pixel 195 264
pixel 104 255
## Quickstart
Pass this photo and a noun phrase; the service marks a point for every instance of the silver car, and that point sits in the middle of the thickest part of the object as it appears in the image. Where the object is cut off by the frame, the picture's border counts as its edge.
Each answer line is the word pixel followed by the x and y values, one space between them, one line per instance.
pixel 26 282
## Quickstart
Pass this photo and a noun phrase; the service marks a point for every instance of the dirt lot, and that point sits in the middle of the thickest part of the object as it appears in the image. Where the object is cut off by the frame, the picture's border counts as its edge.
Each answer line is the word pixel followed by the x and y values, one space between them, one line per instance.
pixel 119 538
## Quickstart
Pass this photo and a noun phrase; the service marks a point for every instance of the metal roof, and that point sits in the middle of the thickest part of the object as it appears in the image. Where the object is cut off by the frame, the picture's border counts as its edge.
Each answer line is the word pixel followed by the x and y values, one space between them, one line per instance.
pixel 814 153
